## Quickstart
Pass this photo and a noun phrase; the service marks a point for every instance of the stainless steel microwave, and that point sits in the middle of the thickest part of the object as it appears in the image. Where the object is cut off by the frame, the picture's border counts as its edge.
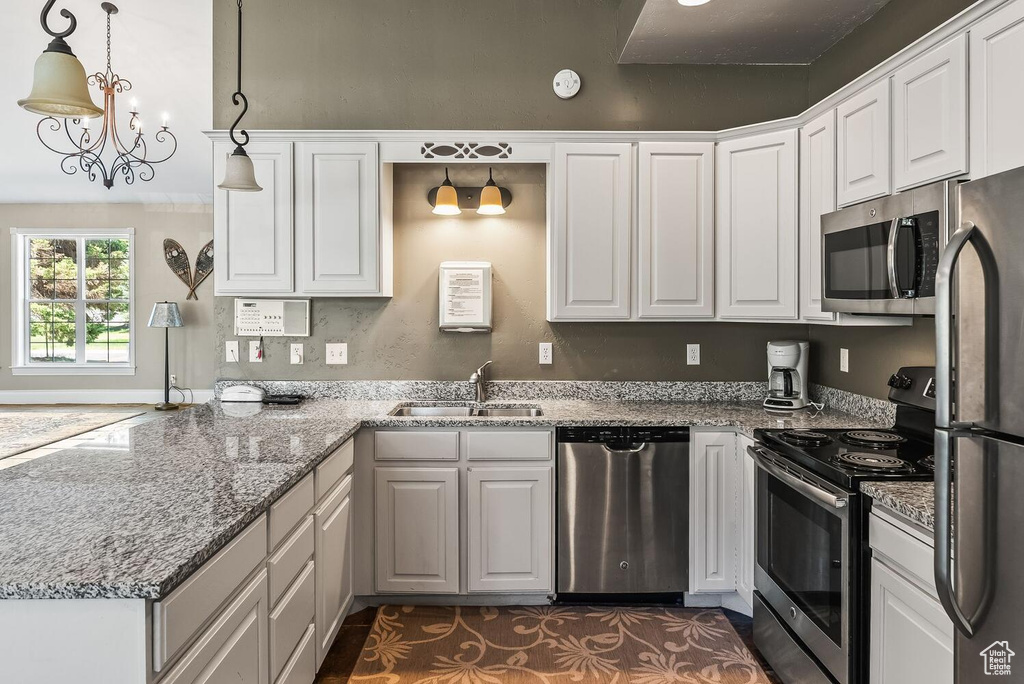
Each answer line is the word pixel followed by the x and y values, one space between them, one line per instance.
pixel 880 257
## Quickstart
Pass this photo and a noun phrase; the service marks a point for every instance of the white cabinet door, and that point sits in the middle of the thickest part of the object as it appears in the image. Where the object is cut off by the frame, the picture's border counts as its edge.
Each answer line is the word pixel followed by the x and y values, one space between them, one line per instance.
pixel 911 636
pixel 332 565
pixel 712 512
pixel 929 116
pixel 746 535
pixel 337 219
pixel 817 198
pixel 510 536
pixel 757 227
pixel 864 148
pixel 253 230
pixel 417 530
pixel 589 268
pixel 997 91
pixel 677 230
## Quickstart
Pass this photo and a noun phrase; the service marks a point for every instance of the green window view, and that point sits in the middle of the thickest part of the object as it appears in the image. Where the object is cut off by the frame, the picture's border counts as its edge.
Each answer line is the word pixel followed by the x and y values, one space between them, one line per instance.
pixel 79 305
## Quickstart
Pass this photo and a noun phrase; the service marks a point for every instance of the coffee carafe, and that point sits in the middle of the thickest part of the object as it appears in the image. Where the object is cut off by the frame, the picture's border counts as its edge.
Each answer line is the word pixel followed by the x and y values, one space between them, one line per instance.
pixel 787 375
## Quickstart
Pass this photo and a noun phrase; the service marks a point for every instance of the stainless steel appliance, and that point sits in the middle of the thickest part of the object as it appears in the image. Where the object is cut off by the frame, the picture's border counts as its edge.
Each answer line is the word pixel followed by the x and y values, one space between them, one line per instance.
pixel 880 257
pixel 787 376
pixel 810 577
pixel 979 437
pixel 623 511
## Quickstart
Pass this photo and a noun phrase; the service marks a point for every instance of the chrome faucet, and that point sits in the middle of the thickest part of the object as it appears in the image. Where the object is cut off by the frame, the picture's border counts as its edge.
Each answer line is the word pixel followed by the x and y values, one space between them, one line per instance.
pixel 478 379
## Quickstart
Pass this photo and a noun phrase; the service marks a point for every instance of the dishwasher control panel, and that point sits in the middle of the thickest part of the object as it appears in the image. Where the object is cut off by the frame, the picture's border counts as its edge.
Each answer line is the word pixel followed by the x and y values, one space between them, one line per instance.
pixel 623 435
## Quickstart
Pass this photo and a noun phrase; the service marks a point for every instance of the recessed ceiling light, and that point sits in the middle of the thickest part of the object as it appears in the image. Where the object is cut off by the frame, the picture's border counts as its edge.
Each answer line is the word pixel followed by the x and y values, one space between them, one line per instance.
pixel 693 3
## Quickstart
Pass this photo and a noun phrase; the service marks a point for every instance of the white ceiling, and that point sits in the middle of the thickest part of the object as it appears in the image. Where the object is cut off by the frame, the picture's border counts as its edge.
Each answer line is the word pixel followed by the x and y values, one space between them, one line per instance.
pixel 742 31
pixel 164 48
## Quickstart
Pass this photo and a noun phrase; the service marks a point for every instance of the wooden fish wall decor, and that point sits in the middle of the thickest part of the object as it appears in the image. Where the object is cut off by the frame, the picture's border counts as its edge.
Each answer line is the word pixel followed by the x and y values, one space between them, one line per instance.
pixel 177 259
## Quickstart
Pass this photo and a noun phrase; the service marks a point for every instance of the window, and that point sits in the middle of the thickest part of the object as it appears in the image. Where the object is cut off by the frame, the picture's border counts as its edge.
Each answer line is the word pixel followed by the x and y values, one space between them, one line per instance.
pixel 73 302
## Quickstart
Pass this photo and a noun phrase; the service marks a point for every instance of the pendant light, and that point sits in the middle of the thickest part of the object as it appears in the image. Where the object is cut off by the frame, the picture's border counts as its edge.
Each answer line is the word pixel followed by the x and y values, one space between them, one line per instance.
pixel 239 174
pixel 59 84
pixel 447 203
pixel 490 198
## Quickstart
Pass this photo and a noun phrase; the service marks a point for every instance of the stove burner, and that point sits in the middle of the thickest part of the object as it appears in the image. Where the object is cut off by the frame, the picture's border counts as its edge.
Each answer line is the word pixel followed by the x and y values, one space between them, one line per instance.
pixel 876 439
pixel 927 463
pixel 872 462
pixel 806 438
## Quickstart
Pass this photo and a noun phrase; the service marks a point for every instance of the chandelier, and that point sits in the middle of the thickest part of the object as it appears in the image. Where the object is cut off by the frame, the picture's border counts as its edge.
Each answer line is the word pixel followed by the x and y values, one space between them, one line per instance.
pixel 130 153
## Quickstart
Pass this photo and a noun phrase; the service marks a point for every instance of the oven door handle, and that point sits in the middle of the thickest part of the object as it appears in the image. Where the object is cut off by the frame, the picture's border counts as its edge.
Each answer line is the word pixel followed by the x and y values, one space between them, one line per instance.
pixel 806 488
pixel 894 283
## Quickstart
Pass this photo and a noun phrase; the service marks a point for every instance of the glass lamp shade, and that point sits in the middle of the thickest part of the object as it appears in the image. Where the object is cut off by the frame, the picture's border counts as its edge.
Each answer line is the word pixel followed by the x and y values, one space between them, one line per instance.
pixel 165 315
pixel 60 88
pixel 490 198
pixel 447 202
pixel 239 174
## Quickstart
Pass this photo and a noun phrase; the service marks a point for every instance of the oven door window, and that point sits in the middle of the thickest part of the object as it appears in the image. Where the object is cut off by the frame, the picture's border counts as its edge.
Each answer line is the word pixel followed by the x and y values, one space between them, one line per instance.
pixel 800 546
pixel 857 264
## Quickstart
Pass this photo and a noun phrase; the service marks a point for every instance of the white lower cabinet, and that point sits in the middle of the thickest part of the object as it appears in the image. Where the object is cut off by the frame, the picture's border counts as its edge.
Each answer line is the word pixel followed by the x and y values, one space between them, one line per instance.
pixel 712 512
pixel 510 529
pixel 417 530
pixel 333 555
pixel 290 620
pixel 746 537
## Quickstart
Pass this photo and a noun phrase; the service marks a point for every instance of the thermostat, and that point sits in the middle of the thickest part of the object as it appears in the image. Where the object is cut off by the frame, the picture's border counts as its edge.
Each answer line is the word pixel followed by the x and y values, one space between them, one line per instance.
pixel 567 84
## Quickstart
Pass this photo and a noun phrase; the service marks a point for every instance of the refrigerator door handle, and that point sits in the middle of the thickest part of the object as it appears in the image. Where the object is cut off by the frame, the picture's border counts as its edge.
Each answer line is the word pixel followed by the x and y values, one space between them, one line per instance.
pixel 943 532
pixel 944 324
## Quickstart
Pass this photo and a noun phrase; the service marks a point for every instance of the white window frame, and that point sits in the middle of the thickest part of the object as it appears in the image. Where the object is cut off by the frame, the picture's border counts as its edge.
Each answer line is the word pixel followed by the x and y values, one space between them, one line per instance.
pixel 21 363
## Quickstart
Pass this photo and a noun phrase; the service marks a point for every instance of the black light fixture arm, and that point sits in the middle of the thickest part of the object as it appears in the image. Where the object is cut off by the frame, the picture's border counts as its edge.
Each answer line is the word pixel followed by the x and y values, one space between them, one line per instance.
pixel 238 98
pixel 58 44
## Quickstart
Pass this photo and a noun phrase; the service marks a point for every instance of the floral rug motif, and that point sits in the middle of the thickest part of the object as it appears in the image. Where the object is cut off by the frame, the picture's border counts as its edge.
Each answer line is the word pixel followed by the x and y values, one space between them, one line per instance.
pixel 553 645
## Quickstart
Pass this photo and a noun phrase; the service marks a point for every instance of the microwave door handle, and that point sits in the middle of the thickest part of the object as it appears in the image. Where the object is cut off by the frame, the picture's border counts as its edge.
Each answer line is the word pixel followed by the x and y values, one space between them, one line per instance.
pixel 894 284
pixel 943 558
pixel 944 324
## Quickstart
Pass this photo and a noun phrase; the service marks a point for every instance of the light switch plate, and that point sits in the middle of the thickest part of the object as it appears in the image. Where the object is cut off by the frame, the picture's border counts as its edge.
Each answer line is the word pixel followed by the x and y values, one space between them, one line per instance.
pixel 844 360
pixel 693 355
pixel 337 353
pixel 546 354
pixel 231 351
pixel 255 348
pixel 296 354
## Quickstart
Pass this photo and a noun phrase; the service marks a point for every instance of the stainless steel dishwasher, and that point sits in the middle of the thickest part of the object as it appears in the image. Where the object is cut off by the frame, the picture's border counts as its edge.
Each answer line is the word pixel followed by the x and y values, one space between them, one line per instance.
pixel 623 511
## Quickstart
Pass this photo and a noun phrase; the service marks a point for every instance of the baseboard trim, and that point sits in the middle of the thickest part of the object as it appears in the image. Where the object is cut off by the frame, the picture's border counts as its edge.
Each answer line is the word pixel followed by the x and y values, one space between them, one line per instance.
pixel 92 396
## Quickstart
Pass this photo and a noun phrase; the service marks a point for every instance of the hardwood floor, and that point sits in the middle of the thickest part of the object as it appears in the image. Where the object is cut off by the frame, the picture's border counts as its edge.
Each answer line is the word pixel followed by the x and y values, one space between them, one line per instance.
pixel 341 659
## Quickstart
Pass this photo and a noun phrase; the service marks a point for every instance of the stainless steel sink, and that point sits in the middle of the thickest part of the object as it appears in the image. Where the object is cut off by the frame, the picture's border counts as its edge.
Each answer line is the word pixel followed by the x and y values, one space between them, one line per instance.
pixel 469 411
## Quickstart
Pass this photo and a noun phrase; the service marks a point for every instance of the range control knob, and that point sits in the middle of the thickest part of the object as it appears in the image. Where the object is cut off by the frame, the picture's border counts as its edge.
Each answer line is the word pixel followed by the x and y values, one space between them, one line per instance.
pixel 900 381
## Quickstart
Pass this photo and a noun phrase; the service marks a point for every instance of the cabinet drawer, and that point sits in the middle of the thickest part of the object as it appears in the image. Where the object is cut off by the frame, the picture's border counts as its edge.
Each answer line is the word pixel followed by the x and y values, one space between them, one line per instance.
pixel 234 648
pixel 291 619
pixel 301 667
pixel 429 445
pixel 509 446
pixel 290 559
pixel 289 510
pixel 913 555
pixel 178 617
pixel 334 467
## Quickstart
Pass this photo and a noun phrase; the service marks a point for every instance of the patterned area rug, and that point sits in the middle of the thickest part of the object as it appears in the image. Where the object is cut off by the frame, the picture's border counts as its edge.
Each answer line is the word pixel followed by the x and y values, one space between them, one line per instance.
pixel 551 644
pixel 25 430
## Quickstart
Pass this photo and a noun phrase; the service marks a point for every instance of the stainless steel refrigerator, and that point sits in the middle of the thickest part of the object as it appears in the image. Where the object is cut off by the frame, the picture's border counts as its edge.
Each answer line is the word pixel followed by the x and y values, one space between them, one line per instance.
pixel 979 437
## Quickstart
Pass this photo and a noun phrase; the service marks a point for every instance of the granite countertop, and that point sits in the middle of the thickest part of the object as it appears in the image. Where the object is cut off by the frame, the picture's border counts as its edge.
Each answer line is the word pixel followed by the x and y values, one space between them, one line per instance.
pixel 913 500
pixel 133 514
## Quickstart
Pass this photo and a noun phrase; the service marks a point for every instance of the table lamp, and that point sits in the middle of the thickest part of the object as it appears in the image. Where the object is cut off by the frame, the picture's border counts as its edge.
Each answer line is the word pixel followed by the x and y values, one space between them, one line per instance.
pixel 166 315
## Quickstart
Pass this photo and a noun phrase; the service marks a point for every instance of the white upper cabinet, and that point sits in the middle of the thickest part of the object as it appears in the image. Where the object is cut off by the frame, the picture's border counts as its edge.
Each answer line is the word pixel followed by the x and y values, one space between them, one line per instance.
pixel 253 230
pixel 817 198
pixel 930 116
pixel 756 259
pixel 590 232
pixel 864 148
pixel 337 223
pixel 997 91
pixel 677 230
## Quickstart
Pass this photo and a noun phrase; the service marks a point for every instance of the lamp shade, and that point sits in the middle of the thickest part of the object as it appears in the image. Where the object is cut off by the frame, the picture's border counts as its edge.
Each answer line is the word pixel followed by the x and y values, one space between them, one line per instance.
pixel 239 174
pixel 165 315
pixel 60 88
pixel 447 201
pixel 490 199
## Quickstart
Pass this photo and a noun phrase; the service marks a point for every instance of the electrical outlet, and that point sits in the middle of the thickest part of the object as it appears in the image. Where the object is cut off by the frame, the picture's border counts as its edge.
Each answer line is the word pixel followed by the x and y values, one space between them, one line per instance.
pixel 844 360
pixel 255 351
pixel 231 351
pixel 174 380
pixel 337 353
pixel 297 354
pixel 693 355
pixel 546 354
